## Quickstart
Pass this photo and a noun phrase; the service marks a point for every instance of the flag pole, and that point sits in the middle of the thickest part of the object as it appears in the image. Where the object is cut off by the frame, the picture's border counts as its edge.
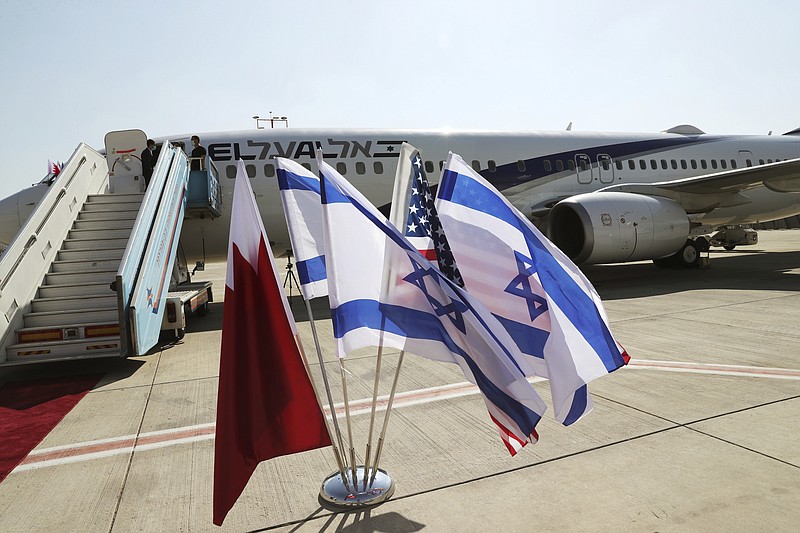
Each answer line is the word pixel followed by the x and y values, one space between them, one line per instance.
pixel 386 417
pixel 374 407
pixel 339 458
pixel 349 424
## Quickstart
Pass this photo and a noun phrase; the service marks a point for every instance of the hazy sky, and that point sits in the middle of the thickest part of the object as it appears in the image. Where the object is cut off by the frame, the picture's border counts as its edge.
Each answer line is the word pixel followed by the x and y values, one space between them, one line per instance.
pixel 74 70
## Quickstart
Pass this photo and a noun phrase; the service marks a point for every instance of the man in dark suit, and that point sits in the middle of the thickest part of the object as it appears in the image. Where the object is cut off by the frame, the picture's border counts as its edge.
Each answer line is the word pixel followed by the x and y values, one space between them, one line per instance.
pixel 198 154
pixel 148 161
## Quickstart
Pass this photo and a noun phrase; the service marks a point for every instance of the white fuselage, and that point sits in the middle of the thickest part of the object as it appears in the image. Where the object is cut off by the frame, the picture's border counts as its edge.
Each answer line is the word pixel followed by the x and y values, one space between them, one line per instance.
pixel 533 169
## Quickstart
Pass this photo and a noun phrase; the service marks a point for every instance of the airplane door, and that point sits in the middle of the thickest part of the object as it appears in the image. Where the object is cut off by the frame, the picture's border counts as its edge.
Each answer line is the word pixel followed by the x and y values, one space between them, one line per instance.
pixel 605 168
pixel 745 158
pixel 583 166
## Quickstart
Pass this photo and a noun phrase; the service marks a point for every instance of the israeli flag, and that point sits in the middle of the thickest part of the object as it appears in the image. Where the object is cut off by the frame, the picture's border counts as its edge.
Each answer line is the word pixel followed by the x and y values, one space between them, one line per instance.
pixel 544 301
pixel 382 291
pixel 300 196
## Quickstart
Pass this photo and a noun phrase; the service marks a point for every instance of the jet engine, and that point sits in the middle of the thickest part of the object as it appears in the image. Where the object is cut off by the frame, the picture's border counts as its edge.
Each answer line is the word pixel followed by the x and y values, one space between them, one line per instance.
pixel 614 227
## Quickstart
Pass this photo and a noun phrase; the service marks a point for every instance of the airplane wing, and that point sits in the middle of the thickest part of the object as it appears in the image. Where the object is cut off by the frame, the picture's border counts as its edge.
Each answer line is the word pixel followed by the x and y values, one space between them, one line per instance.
pixel 702 194
pixel 783 176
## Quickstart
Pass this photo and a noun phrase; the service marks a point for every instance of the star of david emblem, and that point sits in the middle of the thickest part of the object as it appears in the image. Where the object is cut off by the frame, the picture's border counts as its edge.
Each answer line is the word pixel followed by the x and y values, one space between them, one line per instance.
pixel 521 286
pixel 453 309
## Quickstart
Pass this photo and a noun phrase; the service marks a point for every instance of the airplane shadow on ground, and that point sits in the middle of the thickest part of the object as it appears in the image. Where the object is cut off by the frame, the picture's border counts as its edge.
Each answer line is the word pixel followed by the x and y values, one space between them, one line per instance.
pixel 750 270
pixel 753 270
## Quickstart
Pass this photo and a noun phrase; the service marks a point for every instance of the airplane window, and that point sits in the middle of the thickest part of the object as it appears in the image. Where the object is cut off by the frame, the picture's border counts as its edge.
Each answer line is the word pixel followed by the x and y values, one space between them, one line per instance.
pixel 653 164
pixel 674 164
pixel 723 164
pixel 693 163
pixel 251 171
pixel 733 163
pixel 619 164
pixel 361 168
pixel 714 164
pixel 584 166
pixel 632 164
pixel 230 171
pixel 560 165
pixel 430 168
pixel 441 165
pixel 547 167
pixel 341 168
pixel 476 165
pixel 491 163
pixel 605 164
pixel 684 166
pixel 377 166
pixel 521 165
pixel 269 170
pixel 307 166
pixel 749 163
pixel 769 160
pixel 643 164
pixel 703 164
pixel 571 164
pixel 664 164
pixel 760 161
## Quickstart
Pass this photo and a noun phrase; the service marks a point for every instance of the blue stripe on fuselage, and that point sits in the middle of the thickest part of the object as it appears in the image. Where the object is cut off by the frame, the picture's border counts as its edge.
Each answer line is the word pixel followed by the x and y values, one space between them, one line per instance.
pixel 509 175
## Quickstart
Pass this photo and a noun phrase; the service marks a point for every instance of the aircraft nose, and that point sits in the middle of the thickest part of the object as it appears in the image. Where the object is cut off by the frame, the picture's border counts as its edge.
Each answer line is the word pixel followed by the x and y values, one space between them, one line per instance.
pixel 9 218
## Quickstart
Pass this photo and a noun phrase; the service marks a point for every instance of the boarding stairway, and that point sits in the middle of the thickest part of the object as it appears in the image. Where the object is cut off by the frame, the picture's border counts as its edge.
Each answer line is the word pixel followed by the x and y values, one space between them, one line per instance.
pixel 88 274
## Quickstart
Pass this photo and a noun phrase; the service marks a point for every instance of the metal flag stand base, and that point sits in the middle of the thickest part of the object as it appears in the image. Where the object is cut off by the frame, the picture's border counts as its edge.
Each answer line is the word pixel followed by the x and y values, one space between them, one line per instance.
pixel 337 494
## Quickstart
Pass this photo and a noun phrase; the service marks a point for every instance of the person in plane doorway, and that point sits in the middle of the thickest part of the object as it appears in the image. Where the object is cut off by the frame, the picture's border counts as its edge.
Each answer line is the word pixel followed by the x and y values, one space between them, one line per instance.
pixel 198 152
pixel 149 159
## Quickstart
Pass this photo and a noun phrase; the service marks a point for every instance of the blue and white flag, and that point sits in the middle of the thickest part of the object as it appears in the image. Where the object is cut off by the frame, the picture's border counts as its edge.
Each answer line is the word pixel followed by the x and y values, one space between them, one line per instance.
pixel 302 208
pixel 383 292
pixel 544 301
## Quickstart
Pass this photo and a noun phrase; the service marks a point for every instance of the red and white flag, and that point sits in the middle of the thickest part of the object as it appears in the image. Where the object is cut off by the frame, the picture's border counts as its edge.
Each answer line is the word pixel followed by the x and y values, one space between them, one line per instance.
pixel 266 405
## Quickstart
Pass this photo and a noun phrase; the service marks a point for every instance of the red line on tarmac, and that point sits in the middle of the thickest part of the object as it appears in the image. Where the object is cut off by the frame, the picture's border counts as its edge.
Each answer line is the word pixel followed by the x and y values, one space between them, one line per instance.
pixel 360 406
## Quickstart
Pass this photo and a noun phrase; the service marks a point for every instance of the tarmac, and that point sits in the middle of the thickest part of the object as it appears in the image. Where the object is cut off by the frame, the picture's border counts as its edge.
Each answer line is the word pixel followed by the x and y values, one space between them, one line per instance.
pixel 699 433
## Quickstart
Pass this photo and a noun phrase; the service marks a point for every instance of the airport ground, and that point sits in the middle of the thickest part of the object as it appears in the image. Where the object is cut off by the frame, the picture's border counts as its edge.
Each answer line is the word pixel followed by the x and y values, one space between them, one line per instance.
pixel 699 433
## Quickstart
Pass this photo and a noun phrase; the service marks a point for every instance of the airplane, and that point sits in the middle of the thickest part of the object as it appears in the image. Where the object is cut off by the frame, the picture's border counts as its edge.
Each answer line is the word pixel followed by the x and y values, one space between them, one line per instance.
pixel 601 197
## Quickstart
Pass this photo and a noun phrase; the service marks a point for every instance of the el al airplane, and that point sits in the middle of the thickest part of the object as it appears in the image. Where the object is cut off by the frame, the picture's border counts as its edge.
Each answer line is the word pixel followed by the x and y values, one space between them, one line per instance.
pixel 601 197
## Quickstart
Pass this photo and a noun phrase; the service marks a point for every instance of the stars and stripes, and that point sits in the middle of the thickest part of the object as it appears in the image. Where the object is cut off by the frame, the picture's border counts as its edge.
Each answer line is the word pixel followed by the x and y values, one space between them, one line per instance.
pixel 423 228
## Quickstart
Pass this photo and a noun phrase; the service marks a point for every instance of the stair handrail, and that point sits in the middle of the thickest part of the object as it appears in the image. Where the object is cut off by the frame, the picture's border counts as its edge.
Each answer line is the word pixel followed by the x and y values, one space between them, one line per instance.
pixel 149 295
pixel 137 244
pixel 27 259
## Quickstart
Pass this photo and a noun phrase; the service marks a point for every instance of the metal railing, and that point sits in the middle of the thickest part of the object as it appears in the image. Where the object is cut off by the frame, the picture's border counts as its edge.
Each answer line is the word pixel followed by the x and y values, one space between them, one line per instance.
pixel 27 259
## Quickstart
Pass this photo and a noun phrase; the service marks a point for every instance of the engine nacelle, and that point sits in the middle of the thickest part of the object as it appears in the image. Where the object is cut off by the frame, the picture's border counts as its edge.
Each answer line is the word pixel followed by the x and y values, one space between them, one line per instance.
pixel 614 227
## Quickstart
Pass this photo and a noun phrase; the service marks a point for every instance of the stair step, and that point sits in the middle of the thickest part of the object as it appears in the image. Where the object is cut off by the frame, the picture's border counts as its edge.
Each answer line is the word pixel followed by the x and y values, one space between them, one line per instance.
pixel 76 289
pixel 113 233
pixel 94 244
pixel 95 199
pixel 74 303
pixel 67 332
pixel 103 224
pixel 72 278
pixel 84 266
pixel 111 213
pixel 83 316
pixel 64 350
pixel 87 255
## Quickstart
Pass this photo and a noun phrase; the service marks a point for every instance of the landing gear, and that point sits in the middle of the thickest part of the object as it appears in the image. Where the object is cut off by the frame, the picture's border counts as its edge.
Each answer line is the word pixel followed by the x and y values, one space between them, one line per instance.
pixel 687 257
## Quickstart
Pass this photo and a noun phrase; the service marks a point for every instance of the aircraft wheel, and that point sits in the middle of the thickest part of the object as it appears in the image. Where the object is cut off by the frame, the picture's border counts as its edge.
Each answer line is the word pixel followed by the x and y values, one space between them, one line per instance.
pixel 688 256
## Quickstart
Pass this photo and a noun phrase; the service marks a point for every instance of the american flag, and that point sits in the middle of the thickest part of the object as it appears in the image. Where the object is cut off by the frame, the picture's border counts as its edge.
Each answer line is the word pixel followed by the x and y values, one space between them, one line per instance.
pixel 423 228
